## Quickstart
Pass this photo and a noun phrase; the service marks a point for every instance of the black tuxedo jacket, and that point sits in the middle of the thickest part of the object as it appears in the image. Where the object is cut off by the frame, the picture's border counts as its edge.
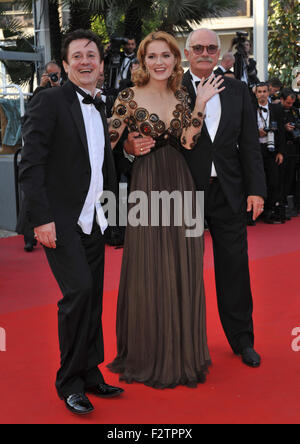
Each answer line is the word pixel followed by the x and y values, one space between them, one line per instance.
pixel 235 151
pixel 276 115
pixel 55 171
pixel 123 56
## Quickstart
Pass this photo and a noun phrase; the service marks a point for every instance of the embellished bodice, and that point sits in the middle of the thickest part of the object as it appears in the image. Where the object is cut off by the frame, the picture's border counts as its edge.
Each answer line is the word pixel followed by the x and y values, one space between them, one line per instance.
pixel 139 119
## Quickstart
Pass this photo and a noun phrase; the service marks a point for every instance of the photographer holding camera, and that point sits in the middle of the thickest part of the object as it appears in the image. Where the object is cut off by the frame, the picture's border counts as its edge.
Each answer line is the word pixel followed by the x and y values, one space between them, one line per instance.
pixel 126 58
pixel 272 142
pixel 244 66
pixel 51 77
pixel 275 87
pixel 292 132
pixel 117 67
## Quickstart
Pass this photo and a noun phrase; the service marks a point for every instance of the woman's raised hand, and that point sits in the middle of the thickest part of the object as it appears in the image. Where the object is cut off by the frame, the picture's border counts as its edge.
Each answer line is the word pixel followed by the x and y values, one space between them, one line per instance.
pixel 208 89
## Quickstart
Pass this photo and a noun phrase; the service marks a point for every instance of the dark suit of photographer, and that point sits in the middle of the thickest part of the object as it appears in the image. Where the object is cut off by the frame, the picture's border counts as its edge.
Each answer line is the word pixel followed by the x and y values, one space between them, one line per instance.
pixel 244 66
pixel 124 72
pixel 292 130
pixel 272 142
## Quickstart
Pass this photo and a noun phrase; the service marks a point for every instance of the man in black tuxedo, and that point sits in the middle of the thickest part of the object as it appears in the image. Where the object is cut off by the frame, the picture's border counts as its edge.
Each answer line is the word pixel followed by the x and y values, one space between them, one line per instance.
pixel 270 122
pixel 66 165
pixel 227 165
pixel 127 57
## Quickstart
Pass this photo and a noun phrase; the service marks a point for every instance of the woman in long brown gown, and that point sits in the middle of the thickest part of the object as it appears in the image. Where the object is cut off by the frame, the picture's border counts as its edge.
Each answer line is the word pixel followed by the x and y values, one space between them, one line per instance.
pixel 161 314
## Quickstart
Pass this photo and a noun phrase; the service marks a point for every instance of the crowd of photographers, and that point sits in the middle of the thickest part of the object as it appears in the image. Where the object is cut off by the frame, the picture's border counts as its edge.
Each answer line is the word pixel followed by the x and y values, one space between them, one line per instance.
pixel 276 106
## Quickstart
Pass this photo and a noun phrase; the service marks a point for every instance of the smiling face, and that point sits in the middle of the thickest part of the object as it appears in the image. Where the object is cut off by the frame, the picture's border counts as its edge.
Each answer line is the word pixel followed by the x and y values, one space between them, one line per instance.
pixel 83 64
pixel 159 60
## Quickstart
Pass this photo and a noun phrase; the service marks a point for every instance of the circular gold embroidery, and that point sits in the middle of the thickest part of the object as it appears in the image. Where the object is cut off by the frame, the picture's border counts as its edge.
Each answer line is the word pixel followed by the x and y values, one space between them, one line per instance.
pixel 160 127
pixel 121 110
pixel 133 128
pixel 146 128
pixel 116 123
pixel 179 107
pixel 196 123
pixel 154 118
pixel 175 124
pixel 179 95
pixel 133 104
pixel 126 95
pixel 141 114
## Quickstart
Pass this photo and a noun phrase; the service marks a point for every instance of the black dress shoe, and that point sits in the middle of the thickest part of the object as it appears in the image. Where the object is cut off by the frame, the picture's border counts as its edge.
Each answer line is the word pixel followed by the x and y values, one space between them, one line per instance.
pixel 28 247
pixel 105 390
pixel 250 357
pixel 79 404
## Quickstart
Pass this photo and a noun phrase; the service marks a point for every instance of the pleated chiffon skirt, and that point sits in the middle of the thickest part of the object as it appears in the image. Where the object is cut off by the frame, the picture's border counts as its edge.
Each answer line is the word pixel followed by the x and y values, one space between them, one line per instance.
pixel 161 314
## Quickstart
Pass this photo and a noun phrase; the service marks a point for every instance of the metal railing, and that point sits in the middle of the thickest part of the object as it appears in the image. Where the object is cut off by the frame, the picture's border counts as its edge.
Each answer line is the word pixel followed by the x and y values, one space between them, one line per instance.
pixel 19 93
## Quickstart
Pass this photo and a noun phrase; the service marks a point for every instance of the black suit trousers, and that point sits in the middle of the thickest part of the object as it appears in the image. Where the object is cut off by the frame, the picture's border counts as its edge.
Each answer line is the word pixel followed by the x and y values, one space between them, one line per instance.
pixel 272 172
pixel 78 266
pixel 230 246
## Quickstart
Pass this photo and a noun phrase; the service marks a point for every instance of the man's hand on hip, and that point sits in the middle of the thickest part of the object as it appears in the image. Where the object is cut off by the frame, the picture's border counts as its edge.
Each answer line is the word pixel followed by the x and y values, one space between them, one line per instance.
pixel 138 146
pixel 46 235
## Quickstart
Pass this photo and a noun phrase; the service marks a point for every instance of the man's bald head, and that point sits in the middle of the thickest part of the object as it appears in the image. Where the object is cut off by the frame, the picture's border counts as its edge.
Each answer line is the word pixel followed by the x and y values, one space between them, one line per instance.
pixel 202 32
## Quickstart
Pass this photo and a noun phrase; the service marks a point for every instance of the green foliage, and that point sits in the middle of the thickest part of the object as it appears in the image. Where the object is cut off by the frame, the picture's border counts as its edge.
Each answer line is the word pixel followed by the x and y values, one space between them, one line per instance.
pixel 284 44
pixel 98 26
pixel 144 16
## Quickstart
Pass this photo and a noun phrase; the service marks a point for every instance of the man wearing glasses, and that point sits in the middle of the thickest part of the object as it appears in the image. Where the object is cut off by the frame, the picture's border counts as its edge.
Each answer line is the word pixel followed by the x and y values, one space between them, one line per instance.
pixel 227 164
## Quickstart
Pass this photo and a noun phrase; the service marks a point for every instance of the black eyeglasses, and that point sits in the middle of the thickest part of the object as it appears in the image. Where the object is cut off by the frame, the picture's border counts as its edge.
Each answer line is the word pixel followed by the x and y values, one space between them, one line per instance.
pixel 199 49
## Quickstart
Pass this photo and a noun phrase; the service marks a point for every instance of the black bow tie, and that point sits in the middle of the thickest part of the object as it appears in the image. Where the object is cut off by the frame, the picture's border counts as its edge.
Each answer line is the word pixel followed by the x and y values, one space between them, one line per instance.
pixel 197 83
pixel 89 100
pixel 265 110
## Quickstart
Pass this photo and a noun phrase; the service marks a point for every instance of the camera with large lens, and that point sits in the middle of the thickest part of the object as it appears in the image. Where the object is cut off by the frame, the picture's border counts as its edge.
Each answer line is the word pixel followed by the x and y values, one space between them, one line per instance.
pixel 270 130
pixel 112 62
pixel 239 41
pixel 117 42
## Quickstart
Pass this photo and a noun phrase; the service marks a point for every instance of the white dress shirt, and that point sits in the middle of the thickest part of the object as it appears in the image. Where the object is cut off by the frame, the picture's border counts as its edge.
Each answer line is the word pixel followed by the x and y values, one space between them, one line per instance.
pixel 124 69
pixel 213 116
pixel 96 143
pixel 263 121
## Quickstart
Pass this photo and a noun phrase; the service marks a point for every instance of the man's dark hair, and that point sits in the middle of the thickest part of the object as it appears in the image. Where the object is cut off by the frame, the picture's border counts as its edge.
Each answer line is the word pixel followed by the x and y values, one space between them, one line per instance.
pixel 52 62
pixel 287 92
pixel 262 84
pixel 81 34
pixel 276 83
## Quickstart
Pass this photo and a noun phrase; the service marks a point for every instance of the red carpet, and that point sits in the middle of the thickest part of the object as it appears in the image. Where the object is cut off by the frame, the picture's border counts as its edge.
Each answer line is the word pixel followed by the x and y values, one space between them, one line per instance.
pixel 233 392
